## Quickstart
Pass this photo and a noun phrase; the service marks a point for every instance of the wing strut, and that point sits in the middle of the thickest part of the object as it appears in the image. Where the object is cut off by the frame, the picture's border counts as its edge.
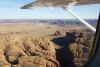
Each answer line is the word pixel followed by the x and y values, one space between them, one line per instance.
pixel 80 19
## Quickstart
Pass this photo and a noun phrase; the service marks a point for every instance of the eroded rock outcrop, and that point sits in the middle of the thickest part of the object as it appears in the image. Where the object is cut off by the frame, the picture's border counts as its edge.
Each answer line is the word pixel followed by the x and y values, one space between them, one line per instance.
pixel 80 45
pixel 36 61
pixel 39 46
pixel 16 51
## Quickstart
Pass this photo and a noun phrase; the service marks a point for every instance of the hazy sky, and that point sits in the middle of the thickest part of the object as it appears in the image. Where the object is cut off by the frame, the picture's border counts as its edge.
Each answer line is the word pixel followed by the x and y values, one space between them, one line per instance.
pixel 10 9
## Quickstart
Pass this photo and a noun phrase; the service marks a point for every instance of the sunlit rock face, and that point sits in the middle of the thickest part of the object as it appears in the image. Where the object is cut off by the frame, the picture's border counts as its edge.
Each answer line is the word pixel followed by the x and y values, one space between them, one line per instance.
pixel 19 51
pixel 36 61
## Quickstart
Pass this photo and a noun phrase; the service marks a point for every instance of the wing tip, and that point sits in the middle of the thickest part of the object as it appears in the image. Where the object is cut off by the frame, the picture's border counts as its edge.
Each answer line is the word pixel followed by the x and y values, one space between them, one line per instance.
pixel 27 6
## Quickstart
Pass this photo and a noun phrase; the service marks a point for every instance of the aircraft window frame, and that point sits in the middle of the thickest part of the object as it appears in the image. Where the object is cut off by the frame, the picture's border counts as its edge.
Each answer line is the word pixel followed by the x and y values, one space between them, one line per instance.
pixel 96 46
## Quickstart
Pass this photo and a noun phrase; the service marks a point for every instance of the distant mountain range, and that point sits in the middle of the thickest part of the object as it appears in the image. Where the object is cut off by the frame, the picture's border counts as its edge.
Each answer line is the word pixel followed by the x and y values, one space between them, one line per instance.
pixel 70 22
pixel 59 22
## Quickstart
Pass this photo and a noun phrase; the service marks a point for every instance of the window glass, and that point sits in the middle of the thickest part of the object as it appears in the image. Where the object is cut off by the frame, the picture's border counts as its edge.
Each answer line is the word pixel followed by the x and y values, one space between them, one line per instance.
pixel 46 37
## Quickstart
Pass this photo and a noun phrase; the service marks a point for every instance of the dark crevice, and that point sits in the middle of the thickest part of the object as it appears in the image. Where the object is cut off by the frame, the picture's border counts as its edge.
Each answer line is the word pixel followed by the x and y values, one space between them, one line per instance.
pixel 64 55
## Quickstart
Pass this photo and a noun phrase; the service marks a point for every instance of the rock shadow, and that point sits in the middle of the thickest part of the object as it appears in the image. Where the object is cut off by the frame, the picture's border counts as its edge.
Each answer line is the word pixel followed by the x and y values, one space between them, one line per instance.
pixel 64 55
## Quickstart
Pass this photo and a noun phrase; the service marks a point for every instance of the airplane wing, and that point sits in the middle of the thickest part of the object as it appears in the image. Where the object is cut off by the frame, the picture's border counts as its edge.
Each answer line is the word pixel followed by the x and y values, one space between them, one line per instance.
pixel 59 3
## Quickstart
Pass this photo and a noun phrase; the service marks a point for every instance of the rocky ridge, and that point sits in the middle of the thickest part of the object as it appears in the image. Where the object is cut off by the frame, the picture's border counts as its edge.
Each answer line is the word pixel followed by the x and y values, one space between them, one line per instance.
pixel 80 45
pixel 26 52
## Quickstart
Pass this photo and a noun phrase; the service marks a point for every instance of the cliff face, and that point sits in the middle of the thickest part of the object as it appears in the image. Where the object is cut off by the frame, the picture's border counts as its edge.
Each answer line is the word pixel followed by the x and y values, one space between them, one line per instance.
pixel 16 51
